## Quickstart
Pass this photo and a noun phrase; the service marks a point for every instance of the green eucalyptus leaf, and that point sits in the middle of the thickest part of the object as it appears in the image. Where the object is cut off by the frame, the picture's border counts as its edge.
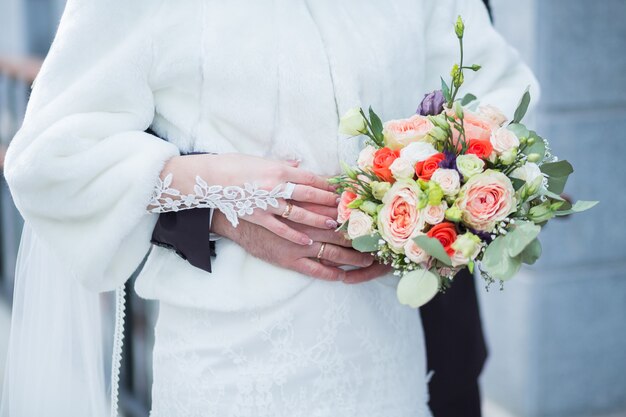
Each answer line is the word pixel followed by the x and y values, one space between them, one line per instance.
pixel 522 107
pixel 418 287
pixel 517 183
pixel 497 261
pixel 552 195
pixel 519 129
pixel 467 99
pixel 368 243
pixel 445 90
pixel 557 169
pixel 377 125
pixel 538 147
pixel 578 207
pixel 531 253
pixel 557 184
pixel 434 248
pixel 518 238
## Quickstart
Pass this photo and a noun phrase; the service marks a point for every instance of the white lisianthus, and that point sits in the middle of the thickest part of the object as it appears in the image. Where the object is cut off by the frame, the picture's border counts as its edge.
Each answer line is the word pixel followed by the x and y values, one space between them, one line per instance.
pixel 417 152
pixel 449 181
pixel 503 140
pixel 435 214
pixel 360 224
pixel 415 253
pixel 469 165
pixel 493 114
pixel 352 123
pixel 366 158
pixel 466 249
pixel 402 169
pixel 528 172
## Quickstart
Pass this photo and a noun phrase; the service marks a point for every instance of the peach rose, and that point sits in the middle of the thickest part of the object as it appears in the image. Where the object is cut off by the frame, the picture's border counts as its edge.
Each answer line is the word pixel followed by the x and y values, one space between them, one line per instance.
pixel 415 253
pixel 486 199
pixel 476 127
pixel 343 212
pixel 493 115
pixel 383 158
pixel 399 133
pixel 435 214
pixel 366 158
pixel 400 220
pixel 360 224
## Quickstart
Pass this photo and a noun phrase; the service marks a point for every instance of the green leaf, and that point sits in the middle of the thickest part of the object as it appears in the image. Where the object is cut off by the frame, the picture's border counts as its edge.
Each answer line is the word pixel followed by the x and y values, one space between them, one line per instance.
pixel 434 248
pixel 497 261
pixel 557 184
pixel 578 207
pixel 517 183
pixel 377 126
pixel 552 195
pixel 368 243
pixel 522 107
pixel 418 287
pixel 520 237
pixel 467 99
pixel 531 253
pixel 445 90
pixel 519 129
pixel 557 169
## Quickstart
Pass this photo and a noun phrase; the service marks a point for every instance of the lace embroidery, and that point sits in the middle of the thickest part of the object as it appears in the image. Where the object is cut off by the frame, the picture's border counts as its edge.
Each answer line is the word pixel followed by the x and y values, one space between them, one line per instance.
pixel 233 201
pixel 118 341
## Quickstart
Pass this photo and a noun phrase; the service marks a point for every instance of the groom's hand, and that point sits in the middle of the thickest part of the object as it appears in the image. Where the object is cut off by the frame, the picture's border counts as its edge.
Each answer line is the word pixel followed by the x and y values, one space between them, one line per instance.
pixel 265 245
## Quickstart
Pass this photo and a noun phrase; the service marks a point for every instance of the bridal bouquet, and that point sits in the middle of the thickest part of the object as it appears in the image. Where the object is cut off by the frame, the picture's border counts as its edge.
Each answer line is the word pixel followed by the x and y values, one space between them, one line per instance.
pixel 456 185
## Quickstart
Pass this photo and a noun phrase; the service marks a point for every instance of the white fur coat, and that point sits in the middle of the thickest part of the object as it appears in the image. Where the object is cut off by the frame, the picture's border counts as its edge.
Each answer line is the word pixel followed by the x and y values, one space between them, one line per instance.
pixel 259 77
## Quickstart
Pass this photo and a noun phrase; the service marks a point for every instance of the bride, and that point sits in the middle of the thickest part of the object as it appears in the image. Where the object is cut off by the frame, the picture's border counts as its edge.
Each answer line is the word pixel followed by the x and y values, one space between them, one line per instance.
pixel 251 85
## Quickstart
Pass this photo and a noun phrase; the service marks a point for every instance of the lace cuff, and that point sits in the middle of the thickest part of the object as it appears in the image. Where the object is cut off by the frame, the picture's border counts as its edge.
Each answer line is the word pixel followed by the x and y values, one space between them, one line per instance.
pixel 233 201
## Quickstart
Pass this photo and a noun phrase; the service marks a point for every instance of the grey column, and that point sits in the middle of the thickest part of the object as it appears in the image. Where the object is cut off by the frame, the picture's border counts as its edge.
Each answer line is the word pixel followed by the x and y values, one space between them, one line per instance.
pixel 557 333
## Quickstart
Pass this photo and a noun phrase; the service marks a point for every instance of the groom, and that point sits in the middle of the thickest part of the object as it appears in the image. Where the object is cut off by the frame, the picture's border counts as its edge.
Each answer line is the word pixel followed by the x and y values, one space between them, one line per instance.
pixel 455 345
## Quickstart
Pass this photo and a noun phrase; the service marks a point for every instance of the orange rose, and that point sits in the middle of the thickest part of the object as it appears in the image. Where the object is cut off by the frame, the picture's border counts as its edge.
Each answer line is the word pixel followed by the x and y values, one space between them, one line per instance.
pixel 480 148
pixel 427 168
pixel 446 234
pixel 383 158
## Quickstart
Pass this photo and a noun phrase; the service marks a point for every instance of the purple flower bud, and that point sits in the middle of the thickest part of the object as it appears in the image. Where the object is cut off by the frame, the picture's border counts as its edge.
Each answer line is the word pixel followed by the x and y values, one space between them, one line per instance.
pixel 432 104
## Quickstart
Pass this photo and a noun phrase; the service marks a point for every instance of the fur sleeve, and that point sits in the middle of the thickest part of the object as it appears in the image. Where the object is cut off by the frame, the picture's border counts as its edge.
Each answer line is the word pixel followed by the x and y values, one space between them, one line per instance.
pixel 503 77
pixel 81 168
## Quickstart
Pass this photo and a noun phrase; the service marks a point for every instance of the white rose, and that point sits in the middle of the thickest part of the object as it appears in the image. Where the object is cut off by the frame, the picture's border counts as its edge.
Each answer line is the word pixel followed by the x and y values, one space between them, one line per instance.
pixel 528 172
pixel 402 169
pixel 503 140
pixel 366 158
pixel 352 123
pixel 417 152
pixel 470 165
pixel 435 214
pixel 493 114
pixel 448 179
pixel 415 253
pixel 360 224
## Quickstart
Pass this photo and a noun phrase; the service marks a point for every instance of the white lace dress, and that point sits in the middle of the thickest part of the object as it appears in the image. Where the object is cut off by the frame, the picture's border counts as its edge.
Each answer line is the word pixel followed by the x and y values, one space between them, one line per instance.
pixel 261 77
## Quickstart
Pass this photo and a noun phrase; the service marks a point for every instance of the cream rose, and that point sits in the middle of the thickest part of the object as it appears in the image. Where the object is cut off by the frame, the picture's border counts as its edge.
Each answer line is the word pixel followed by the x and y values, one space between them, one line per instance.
pixel 366 158
pixel 352 123
pixel 360 224
pixel 399 133
pixel 469 165
pixel 486 199
pixel 402 169
pixel 435 214
pixel 400 219
pixel 415 253
pixel 448 179
pixel 417 152
pixel 493 114
pixel 503 140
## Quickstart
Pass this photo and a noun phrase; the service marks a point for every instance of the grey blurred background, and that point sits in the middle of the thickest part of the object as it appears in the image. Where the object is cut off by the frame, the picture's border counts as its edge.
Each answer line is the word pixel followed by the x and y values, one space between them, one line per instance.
pixel 557 334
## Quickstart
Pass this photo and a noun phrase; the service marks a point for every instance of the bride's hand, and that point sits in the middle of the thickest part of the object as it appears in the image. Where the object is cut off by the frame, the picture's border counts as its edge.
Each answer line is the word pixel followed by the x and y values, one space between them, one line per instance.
pixel 239 169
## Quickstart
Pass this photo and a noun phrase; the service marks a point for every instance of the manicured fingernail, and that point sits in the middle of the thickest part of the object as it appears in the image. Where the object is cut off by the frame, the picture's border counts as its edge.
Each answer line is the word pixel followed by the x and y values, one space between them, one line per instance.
pixel 338 200
pixel 307 241
pixel 368 261
pixel 331 224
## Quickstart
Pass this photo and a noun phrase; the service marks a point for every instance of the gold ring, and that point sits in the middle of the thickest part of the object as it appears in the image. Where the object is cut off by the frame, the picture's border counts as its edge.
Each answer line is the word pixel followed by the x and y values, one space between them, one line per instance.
pixel 320 253
pixel 287 211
